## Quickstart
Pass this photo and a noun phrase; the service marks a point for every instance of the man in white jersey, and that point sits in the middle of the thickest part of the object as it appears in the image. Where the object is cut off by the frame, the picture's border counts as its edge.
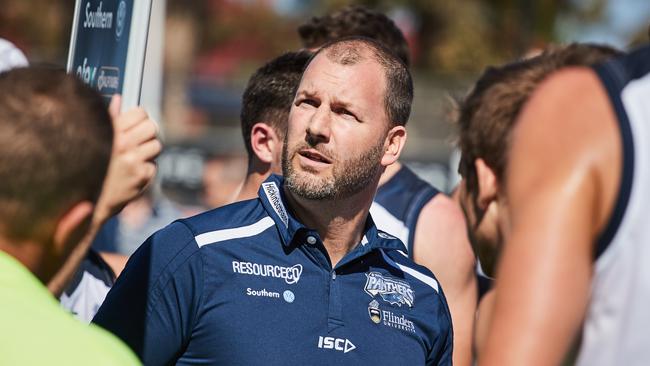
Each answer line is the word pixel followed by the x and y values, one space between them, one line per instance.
pixel 486 119
pixel 578 243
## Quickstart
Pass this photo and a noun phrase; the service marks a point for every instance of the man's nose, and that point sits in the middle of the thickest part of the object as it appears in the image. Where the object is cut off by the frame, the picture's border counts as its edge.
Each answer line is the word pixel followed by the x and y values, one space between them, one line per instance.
pixel 319 127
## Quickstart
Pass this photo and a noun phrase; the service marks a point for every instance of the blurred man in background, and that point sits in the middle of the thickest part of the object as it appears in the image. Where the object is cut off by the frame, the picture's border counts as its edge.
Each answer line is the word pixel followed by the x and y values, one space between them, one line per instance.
pixel 131 170
pixel 86 278
pixel 265 109
pixel 577 244
pixel 56 144
pixel 486 119
pixel 428 222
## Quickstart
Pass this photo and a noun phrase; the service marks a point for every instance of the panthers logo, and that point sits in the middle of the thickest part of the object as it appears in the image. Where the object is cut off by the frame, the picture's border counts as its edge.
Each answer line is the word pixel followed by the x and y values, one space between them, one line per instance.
pixel 392 290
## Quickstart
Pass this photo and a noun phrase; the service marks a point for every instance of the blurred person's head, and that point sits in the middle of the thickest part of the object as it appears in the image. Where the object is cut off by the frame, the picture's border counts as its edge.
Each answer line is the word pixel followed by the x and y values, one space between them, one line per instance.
pixel 265 109
pixel 486 118
pixel 347 120
pixel 55 146
pixel 355 20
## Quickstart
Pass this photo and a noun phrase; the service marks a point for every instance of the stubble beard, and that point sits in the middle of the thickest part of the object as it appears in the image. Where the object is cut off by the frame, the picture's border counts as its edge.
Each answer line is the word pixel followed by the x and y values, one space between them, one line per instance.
pixel 348 177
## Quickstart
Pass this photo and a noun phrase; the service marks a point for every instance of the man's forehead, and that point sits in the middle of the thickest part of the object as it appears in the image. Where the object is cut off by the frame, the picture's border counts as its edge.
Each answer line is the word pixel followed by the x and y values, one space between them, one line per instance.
pixel 322 71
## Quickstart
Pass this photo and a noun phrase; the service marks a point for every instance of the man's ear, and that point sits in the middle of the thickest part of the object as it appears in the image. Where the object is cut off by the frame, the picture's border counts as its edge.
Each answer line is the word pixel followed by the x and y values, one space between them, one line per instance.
pixel 265 142
pixel 72 226
pixel 393 145
pixel 487 184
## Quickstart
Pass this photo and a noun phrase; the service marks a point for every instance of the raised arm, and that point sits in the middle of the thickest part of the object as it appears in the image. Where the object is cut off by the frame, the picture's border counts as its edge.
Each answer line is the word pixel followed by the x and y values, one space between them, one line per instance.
pixel 132 168
pixel 562 177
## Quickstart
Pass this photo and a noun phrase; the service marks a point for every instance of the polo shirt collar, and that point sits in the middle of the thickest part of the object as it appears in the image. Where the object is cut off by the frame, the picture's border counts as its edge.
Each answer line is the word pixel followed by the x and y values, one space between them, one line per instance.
pixel 292 231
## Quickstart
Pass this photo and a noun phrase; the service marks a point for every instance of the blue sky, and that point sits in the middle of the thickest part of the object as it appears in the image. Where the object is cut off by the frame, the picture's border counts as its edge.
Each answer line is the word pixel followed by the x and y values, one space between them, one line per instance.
pixel 621 20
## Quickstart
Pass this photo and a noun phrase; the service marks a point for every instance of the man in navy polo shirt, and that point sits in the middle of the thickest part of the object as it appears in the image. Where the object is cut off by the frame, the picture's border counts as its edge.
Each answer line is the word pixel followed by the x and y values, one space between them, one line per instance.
pixel 299 275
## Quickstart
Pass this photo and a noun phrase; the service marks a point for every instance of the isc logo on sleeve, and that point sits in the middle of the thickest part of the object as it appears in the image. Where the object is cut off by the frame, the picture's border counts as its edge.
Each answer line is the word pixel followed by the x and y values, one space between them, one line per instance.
pixel 337 344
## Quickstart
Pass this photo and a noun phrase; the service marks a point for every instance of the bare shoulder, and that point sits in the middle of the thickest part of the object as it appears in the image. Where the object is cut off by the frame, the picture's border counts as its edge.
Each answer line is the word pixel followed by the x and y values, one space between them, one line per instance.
pixel 443 209
pixel 441 241
pixel 441 244
pixel 566 134
pixel 568 110
pixel 563 168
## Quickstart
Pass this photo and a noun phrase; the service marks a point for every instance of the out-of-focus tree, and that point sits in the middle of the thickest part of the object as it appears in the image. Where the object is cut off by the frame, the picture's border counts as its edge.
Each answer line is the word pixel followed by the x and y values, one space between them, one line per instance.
pixel 233 34
pixel 41 28
pixel 462 36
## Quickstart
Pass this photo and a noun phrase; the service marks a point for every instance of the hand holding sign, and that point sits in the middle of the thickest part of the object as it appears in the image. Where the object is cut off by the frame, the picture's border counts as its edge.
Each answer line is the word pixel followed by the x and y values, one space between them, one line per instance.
pixel 132 167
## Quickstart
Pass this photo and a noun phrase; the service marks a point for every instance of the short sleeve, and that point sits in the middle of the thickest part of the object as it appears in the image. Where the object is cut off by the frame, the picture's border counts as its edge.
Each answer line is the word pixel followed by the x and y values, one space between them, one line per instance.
pixel 154 303
pixel 443 346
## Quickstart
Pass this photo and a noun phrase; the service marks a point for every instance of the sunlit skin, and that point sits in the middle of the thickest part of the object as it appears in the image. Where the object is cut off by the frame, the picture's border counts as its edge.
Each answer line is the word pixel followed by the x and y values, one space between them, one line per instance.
pixel 267 144
pixel 330 123
pixel 482 217
pixel 339 111
pixel 563 173
pixel 482 211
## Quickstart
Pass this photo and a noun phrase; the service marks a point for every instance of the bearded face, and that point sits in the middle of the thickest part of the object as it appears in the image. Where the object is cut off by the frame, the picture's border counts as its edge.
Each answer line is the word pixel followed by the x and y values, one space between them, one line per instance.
pixel 347 175
pixel 338 130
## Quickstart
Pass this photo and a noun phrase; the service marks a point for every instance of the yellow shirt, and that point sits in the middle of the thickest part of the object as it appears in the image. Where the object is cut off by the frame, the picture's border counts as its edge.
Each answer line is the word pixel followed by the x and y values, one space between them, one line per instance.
pixel 35 330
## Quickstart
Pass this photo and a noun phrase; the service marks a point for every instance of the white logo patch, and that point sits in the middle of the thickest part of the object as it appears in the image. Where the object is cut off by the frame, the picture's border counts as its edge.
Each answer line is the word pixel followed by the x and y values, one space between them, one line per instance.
pixel 374 312
pixel 121 15
pixel 290 275
pixel 109 78
pixel 392 290
pixel 384 235
pixel 288 296
pixel 273 194
pixel 337 344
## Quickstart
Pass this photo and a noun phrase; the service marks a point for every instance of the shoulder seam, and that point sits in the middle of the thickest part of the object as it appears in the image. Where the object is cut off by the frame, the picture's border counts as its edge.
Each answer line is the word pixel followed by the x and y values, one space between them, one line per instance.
pixel 158 285
pixel 430 281
pixel 422 276
pixel 217 236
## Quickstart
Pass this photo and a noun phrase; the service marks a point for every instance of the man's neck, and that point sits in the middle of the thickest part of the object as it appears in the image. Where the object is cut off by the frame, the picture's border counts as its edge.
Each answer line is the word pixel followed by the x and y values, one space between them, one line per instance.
pixel 251 186
pixel 390 171
pixel 29 253
pixel 257 173
pixel 340 223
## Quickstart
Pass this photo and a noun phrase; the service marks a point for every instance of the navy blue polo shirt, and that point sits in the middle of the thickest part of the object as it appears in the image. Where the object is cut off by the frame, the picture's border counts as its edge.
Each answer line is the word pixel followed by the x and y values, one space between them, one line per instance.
pixel 247 284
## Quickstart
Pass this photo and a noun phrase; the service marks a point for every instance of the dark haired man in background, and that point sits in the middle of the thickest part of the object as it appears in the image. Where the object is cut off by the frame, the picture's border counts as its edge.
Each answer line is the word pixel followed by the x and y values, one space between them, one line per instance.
pixel 265 109
pixel 576 253
pixel 487 117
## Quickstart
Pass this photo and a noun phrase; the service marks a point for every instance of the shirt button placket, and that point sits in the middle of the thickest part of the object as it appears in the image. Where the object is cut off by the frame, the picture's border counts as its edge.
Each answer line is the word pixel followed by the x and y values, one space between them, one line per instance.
pixel 335 316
